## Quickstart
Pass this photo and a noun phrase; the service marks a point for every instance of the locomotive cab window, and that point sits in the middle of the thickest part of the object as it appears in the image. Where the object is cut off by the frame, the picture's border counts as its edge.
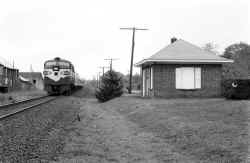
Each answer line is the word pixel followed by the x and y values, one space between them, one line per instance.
pixel 60 64
pixel 64 65
pixel 49 64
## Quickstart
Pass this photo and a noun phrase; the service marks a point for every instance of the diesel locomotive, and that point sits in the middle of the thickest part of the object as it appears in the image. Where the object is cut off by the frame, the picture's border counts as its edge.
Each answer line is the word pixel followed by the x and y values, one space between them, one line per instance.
pixel 59 76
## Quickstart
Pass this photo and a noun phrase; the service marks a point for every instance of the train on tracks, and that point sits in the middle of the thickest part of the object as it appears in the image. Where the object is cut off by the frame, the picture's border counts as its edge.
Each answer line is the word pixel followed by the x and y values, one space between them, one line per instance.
pixel 59 77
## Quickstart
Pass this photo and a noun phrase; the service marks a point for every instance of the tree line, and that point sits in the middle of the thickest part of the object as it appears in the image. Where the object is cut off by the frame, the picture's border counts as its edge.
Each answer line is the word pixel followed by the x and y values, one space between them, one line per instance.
pixel 240 53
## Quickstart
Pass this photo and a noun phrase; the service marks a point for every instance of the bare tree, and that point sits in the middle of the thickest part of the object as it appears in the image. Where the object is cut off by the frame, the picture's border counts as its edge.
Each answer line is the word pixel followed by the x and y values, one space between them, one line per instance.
pixel 211 47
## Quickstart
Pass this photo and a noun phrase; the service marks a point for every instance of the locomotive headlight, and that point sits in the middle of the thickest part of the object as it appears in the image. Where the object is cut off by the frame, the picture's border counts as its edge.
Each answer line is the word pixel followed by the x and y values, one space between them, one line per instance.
pixel 46 73
pixel 66 73
pixel 55 68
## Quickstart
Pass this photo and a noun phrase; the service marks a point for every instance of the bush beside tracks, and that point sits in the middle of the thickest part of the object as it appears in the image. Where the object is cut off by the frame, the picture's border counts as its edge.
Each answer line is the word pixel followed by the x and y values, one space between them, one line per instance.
pixel 236 88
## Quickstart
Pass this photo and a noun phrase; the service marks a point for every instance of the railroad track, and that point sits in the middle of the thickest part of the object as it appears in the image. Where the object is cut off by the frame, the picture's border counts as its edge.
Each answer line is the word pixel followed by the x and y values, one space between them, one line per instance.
pixel 11 109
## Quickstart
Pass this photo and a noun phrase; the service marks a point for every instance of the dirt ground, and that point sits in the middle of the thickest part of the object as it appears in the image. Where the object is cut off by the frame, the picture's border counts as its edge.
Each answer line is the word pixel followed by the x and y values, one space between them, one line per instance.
pixel 104 135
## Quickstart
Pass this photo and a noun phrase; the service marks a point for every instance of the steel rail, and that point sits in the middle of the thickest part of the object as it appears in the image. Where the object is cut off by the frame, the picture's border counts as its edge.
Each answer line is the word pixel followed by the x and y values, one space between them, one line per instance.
pixel 22 101
pixel 26 108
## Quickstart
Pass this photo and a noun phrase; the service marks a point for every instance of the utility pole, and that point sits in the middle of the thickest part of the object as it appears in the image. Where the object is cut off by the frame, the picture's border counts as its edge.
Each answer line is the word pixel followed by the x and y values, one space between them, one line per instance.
pixel 13 73
pixel 31 68
pixel 111 62
pixel 97 80
pixel 99 83
pixel 132 54
pixel 103 69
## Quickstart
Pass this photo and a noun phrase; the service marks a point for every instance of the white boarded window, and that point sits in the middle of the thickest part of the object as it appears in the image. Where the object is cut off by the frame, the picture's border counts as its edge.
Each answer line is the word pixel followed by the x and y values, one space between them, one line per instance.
pixel 188 78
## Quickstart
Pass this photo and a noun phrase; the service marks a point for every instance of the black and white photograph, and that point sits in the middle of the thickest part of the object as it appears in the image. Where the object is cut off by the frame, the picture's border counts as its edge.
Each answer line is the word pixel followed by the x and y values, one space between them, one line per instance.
pixel 124 81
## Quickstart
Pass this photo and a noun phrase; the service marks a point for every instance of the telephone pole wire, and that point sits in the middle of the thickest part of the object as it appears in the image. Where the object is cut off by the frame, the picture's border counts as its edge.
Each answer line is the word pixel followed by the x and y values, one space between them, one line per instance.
pixel 132 55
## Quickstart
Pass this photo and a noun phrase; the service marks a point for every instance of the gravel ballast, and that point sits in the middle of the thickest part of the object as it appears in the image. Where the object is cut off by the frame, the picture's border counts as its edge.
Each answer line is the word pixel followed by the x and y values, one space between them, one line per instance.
pixel 38 134
pixel 20 95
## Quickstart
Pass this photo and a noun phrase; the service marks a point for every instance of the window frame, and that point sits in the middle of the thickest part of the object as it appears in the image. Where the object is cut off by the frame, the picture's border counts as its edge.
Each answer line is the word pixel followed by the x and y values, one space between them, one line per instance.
pixel 196 74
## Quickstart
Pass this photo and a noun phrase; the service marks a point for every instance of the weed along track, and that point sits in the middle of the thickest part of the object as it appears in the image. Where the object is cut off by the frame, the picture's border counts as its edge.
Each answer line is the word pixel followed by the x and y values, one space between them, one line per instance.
pixel 36 134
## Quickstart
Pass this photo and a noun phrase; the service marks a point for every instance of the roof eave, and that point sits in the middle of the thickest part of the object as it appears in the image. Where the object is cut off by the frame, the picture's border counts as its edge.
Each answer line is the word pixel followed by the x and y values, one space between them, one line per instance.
pixel 179 61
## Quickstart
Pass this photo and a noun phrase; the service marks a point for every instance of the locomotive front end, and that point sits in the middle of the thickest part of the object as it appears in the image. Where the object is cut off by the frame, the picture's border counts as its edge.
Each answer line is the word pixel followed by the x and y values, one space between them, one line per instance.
pixel 58 76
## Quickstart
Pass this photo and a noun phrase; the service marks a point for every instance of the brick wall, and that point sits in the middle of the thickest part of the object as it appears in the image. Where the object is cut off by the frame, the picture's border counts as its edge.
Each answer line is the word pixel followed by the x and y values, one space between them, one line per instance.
pixel 164 81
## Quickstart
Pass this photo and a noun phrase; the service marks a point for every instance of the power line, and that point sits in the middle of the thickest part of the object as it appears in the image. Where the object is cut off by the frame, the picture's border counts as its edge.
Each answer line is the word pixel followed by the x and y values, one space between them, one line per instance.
pixel 132 54
pixel 111 62
pixel 133 28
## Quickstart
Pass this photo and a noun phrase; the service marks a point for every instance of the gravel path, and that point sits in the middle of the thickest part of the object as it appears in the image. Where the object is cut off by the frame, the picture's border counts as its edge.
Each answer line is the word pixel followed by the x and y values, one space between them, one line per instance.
pixel 104 135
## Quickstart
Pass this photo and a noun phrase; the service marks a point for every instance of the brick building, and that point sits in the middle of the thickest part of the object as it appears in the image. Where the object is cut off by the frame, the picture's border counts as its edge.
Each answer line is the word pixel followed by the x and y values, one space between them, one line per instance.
pixel 182 69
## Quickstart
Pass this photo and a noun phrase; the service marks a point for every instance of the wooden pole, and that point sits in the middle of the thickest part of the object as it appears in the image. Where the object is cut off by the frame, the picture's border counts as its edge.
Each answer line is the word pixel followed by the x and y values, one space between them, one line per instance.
pixel 111 62
pixel 131 62
pixel 132 55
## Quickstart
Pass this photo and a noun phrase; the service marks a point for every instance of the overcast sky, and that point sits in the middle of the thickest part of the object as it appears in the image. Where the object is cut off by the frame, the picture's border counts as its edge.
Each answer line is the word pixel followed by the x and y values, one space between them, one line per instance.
pixel 87 32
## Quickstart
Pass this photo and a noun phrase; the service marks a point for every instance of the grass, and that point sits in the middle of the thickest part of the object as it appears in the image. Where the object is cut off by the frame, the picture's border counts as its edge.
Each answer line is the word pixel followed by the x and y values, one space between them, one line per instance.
pixel 87 91
pixel 208 130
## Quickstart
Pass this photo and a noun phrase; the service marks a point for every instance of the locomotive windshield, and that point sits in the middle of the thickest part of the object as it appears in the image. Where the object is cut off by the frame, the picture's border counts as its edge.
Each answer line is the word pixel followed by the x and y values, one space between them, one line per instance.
pixel 50 64
pixel 60 64
pixel 63 64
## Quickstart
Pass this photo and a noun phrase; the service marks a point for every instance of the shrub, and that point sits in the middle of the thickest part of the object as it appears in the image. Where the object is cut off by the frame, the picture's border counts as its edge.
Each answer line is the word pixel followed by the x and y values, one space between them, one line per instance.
pixel 86 91
pixel 111 86
pixel 236 89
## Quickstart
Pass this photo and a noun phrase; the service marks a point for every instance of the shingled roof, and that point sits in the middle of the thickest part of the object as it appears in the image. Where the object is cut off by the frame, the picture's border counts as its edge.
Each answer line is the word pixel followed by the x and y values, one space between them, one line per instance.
pixel 184 52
